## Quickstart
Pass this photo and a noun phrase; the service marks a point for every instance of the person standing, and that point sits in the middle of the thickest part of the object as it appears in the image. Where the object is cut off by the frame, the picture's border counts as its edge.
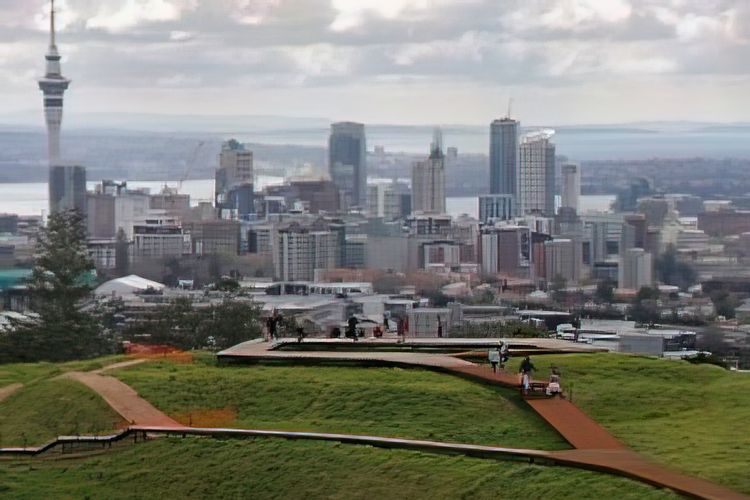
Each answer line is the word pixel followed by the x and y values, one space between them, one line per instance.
pixel 527 367
pixel 494 357
pixel 352 327
pixel 440 327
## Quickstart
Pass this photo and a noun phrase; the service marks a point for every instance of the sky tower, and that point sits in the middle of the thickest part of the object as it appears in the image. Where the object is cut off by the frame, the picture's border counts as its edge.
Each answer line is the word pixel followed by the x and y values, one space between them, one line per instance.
pixel 53 85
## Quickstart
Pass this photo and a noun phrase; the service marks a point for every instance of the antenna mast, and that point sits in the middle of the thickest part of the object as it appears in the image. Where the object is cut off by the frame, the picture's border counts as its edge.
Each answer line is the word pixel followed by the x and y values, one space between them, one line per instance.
pixel 510 106
pixel 52 25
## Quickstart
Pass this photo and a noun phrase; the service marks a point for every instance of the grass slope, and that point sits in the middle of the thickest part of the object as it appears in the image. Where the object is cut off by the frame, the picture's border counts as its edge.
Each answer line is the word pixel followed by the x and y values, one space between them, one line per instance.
pixel 377 401
pixel 44 410
pixel 206 468
pixel 26 372
pixel 692 417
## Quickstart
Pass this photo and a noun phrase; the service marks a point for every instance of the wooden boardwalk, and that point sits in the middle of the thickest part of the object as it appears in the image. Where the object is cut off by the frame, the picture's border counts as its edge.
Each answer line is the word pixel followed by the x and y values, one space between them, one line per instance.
pixel 595 448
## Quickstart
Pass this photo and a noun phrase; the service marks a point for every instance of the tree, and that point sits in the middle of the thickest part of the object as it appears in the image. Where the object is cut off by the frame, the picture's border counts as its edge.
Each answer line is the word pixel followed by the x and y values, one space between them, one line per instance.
pixel 557 287
pixel 182 325
pixel 645 309
pixel 605 292
pixel 671 271
pixel 724 303
pixel 62 328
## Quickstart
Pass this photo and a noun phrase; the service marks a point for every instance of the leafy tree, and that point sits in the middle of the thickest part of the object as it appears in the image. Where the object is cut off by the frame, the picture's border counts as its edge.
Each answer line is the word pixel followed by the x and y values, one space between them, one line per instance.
pixel 557 287
pixel 605 292
pixel 645 309
pixel 673 272
pixel 182 325
pixel 62 328
pixel 227 285
pixel 724 303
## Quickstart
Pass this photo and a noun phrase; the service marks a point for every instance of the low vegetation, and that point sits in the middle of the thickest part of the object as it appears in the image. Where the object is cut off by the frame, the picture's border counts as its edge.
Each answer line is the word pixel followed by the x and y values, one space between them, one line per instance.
pixel 692 417
pixel 22 373
pixel 378 401
pixel 207 468
pixel 43 410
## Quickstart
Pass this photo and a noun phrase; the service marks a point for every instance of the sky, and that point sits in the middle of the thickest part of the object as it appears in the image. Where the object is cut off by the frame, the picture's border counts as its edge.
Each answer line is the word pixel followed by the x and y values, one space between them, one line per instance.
pixel 389 61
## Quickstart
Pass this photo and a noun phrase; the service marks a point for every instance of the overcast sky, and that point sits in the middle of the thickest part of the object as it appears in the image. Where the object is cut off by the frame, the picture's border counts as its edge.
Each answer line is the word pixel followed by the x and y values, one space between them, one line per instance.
pixel 389 61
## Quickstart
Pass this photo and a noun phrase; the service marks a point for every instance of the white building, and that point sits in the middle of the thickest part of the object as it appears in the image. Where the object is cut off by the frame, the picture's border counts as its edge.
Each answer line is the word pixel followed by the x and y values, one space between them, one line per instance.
pixel 157 236
pixel 299 252
pixel 428 180
pixel 561 260
pixel 571 187
pixel 537 174
pixel 635 270
pixel 389 200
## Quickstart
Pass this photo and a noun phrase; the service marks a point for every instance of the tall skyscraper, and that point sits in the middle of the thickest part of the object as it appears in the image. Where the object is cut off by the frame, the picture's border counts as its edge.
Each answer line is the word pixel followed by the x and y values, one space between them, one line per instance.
pixel 234 180
pixel 537 174
pixel 571 187
pixel 67 188
pixel 53 86
pixel 428 180
pixel 347 162
pixel 504 156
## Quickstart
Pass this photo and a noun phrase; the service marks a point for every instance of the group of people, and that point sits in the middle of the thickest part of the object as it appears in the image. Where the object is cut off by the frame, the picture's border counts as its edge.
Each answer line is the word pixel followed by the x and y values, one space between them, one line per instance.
pixel 499 356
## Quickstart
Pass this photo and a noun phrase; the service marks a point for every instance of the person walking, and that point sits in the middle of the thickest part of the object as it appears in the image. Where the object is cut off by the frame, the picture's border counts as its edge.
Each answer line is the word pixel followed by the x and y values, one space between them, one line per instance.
pixel 494 357
pixel 527 367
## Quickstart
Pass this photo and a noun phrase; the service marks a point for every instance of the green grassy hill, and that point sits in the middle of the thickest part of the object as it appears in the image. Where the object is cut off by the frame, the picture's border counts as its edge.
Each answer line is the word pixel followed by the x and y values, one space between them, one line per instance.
pixel 691 417
pixel 43 410
pixel 208 468
pixel 378 401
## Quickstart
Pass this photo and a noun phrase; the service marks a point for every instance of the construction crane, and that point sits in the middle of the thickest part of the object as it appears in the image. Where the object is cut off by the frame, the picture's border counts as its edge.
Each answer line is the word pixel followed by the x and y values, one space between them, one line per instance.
pixel 191 163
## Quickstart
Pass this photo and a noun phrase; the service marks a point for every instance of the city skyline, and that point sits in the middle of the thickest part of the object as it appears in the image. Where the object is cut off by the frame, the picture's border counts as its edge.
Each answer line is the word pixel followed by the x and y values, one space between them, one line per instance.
pixel 564 62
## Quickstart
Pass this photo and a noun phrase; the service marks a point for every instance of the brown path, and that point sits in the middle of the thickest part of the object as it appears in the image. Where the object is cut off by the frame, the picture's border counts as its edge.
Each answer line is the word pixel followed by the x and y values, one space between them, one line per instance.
pixel 596 448
pixel 121 364
pixel 8 390
pixel 123 399
pixel 625 462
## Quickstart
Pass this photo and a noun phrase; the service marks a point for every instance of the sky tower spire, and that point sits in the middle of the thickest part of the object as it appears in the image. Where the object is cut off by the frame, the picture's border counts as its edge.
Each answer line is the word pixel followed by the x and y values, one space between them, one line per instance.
pixel 53 86
pixel 52 24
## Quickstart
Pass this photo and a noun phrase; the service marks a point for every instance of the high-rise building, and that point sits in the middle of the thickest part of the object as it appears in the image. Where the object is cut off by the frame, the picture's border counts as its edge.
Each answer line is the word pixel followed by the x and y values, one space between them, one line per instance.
pixel 67 189
pixel 347 162
pixel 537 174
pixel 571 188
pixel 300 251
pixel 562 260
pixel 428 180
pixel 53 86
pixel 507 250
pixel 234 180
pixel 504 156
pixel 494 207
pixel 390 200
pixel 636 269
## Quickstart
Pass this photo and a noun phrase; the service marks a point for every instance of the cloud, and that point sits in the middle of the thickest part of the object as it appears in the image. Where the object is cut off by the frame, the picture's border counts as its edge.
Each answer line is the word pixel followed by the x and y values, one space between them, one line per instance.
pixel 353 13
pixel 379 50
pixel 119 16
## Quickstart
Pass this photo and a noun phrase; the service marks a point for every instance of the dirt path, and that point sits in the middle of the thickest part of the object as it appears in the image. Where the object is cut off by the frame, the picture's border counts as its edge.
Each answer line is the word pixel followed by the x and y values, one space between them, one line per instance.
pixel 8 390
pixel 123 399
pixel 121 364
